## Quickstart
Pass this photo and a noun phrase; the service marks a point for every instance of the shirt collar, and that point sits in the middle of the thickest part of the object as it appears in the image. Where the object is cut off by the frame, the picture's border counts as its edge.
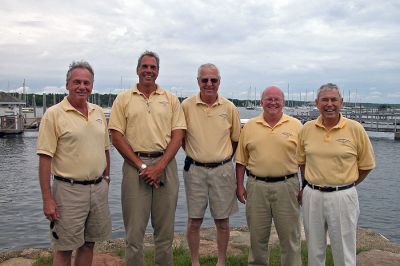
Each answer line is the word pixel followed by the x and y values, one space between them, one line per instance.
pixel 66 105
pixel 340 124
pixel 158 90
pixel 200 101
pixel 260 119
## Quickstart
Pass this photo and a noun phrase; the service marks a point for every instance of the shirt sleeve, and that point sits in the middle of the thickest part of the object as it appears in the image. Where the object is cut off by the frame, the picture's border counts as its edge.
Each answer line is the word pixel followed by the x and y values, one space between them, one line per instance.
pixel 118 117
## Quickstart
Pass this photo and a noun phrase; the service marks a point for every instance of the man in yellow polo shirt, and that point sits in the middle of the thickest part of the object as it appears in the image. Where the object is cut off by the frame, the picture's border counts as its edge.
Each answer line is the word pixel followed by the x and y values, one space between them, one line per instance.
pixel 267 152
pixel 335 154
pixel 213 127
pixel 73 146
pixel 147 126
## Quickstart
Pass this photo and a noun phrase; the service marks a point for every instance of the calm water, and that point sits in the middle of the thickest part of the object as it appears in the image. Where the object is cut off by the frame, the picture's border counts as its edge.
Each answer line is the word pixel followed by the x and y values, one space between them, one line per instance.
pixel 22 223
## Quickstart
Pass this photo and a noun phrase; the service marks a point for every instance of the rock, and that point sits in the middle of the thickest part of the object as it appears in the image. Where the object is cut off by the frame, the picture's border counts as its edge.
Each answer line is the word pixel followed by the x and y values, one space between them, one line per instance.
pixel 17 262
pixel 378 257
pixel 107 260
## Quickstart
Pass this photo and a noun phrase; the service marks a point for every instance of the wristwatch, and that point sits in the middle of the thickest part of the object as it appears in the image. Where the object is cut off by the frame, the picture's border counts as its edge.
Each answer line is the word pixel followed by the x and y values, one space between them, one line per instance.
pixel 142 167
pixel 107 178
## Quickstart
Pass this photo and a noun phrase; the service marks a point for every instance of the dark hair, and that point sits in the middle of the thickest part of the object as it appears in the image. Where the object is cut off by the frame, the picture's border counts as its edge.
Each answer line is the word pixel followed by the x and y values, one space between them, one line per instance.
pixel 148 53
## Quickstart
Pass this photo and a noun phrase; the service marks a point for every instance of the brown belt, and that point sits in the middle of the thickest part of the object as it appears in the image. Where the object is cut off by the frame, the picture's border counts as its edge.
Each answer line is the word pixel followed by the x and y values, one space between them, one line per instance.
pixel 155 154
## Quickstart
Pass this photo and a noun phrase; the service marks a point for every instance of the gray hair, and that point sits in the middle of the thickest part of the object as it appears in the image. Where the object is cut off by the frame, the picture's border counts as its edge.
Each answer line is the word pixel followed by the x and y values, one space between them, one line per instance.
pixel 329 87
pixel 151 54
pixel 207 65
pixel 79 64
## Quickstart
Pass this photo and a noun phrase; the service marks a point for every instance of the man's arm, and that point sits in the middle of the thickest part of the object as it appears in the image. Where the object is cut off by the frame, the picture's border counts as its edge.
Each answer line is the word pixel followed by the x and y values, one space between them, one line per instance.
pixel 241 193
pixel 153 172
pixel 107 170
pixel 49 205
pixel 303 183
pixel 125 149
pixel 234 147
pixel 362 174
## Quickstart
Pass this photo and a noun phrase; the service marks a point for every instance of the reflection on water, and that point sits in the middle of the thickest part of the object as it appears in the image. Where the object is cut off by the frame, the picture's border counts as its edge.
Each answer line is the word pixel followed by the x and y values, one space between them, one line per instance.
pixel 22 223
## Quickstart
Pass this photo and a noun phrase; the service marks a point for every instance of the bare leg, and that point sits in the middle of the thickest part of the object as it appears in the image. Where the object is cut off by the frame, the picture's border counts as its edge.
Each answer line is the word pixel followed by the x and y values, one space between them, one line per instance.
pixel 62 258
pixel 222 239
pixel 193 239
pixel 84 254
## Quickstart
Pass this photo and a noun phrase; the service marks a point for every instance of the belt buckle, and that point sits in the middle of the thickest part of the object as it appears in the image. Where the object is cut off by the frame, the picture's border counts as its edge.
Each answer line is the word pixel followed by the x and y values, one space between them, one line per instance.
pixel 71 181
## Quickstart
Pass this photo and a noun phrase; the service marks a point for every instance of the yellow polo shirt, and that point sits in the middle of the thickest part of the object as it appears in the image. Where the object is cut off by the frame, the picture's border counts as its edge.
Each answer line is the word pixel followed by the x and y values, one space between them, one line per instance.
pixel 147 123
pixel 269 151
pixel 210 129
pixel 333 157
pixel 77 144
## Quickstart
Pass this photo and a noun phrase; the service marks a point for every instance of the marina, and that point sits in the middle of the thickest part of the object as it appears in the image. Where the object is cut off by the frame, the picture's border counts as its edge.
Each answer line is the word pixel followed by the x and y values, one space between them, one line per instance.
pixel 22 223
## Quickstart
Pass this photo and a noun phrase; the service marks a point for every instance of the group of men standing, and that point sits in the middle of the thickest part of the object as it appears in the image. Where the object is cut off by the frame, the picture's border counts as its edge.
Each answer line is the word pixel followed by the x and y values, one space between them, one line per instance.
pixel 148 125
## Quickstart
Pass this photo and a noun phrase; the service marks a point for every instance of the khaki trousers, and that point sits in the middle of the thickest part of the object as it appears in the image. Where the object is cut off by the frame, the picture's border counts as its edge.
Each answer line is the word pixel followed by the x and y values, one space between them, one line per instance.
pixel 275 201
pixel 140 202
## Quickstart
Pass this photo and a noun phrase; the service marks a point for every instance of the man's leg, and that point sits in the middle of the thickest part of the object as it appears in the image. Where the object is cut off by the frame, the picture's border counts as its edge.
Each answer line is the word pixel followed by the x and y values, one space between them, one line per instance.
pixel 315 226
pixel 62 258
pixel 286 213
pixel 342 216
pixel 259 220
pixel 163 209
pixel 222 239
pixel 136 197
pixel 84 254
pixel 193 239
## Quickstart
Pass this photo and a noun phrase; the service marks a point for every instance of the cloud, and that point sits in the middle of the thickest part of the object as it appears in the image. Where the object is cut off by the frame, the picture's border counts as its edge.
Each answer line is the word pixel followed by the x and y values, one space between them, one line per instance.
pixel 254 43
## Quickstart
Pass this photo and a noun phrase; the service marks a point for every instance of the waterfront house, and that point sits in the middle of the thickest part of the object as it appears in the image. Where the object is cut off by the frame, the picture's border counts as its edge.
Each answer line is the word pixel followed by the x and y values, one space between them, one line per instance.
pixel 11 120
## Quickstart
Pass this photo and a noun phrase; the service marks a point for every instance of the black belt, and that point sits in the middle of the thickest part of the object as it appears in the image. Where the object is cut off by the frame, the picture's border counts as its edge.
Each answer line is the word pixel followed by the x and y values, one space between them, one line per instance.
pixel 212 165
pixel 150 154
pixel 270 179
pixel 80 182
pixel 330 189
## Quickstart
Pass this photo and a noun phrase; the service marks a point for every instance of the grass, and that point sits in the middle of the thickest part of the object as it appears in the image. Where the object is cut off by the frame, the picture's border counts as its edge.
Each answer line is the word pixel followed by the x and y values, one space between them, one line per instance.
pixel 182 257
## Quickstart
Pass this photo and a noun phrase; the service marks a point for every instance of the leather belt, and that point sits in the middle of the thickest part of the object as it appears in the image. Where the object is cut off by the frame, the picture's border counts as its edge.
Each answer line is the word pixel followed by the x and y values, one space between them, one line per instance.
pixel 330 189
pixel 212 165
pixel 270 179
pixel 80 182
pixel 149 154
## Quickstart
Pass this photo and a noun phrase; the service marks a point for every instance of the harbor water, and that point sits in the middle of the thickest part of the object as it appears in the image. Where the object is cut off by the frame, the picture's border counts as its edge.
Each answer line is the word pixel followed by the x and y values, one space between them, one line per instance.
pixel 22 223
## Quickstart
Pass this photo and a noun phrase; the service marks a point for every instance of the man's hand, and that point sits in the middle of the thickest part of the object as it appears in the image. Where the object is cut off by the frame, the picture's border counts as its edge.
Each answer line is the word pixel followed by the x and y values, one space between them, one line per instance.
pixel 300 197
pixel 151 174
pixel 50 209
pixel 241 193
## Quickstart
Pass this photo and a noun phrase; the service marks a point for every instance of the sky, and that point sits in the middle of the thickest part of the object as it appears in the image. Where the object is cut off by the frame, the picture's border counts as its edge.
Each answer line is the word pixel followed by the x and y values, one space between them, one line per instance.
pixel 295 44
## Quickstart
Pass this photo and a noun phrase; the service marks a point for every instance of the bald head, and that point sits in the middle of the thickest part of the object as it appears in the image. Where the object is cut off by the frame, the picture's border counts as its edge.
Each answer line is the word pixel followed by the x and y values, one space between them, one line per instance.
pixel 272 90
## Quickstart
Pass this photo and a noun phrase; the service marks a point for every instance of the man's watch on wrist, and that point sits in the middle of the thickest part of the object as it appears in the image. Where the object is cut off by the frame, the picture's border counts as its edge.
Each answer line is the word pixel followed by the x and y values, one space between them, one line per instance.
pixel 142 167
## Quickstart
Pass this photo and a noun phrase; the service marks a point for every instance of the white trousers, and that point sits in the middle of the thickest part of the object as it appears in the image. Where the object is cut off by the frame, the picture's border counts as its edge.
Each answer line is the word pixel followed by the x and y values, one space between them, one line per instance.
pixel 336 213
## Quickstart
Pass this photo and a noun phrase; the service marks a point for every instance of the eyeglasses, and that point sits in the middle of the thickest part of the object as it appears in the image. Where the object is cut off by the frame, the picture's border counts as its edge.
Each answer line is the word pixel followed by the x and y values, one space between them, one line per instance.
pixel 52 230
pixel 205 80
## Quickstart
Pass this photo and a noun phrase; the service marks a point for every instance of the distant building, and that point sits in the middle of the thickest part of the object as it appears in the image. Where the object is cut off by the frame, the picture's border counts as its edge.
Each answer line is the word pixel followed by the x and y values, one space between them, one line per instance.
pixel 11 119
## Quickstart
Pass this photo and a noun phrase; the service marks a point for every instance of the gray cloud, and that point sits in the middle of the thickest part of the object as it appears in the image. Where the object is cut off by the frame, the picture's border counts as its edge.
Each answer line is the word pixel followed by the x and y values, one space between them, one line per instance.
pixel 254 43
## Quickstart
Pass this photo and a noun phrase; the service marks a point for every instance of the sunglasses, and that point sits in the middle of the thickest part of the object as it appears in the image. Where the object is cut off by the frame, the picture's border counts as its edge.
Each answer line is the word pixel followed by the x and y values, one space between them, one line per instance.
pixel 205 80
pixel 52 232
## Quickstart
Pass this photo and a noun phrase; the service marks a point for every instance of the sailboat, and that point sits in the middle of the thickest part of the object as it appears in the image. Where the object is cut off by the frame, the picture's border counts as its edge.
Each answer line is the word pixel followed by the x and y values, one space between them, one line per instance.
pixel 249 104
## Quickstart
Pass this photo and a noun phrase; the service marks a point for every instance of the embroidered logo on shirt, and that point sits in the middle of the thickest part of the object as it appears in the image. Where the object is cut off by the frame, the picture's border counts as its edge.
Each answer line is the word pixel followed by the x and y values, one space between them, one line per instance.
pixel 287 134
pixel 225 116
pixel 343 141
pixel 99 120
pixel 164 103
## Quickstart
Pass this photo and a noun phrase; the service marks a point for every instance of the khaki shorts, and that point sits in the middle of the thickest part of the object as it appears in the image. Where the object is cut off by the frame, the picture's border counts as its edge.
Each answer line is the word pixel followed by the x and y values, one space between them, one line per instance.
pixel 84 215
pixel 216 186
